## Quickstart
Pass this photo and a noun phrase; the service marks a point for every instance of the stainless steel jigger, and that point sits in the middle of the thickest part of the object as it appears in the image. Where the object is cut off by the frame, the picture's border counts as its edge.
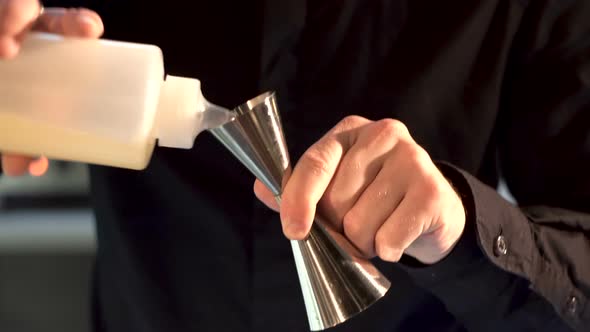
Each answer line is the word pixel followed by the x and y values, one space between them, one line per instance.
pixel 337 282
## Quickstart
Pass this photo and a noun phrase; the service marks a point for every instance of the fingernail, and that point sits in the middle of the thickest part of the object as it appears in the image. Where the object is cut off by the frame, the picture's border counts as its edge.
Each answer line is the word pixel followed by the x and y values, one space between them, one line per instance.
pixel 86 19
pixel 38 167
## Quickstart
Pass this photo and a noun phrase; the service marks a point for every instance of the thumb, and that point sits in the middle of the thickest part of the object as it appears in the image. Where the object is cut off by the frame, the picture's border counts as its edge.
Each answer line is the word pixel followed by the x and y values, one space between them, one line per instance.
pixel 265 195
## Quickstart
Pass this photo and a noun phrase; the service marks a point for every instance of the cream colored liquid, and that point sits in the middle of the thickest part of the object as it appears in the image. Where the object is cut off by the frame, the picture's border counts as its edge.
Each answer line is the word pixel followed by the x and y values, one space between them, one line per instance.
pixel 23 136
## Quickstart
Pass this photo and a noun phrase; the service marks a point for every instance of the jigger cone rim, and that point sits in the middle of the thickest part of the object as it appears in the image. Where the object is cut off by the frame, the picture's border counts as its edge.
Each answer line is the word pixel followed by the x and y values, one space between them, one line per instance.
pixel 251 103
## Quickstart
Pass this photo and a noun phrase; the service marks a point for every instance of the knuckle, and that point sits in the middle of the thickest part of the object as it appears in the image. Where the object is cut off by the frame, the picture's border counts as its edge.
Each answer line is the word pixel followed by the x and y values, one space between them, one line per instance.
pixel 432 190
pixel 417 157
pixel 354 162
pixel 350 122
pixel 317 159
pixel 415 153
pixel 387 130
pixel 392 128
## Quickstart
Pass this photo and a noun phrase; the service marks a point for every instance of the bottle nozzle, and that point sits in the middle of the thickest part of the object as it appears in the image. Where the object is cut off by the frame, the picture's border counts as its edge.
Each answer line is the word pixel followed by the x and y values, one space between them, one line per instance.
pixel 215 116
pixel 183 113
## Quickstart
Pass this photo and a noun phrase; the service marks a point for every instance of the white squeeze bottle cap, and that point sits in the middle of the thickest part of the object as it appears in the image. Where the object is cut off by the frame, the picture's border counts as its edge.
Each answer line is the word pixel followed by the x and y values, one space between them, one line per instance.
pixel 179 111
pixel 183 112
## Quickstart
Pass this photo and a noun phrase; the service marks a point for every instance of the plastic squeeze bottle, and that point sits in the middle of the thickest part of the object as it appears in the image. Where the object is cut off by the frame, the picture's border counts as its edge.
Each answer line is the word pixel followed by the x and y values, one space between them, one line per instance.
pixel 98 101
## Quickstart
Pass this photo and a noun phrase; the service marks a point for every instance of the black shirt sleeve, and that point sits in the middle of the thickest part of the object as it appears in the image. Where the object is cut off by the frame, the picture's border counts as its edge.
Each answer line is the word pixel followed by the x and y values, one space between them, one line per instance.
pixel 505 269
pixel 530 260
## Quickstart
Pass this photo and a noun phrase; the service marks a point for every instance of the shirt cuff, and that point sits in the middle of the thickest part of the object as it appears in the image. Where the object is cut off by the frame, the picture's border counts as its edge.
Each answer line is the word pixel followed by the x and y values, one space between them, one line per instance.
pixel 468 280
pixel 466 252
pixel 495 261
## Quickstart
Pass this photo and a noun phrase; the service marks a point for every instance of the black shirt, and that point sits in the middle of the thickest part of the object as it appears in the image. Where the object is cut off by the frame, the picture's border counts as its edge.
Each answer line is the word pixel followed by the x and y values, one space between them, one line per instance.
pixel 490 88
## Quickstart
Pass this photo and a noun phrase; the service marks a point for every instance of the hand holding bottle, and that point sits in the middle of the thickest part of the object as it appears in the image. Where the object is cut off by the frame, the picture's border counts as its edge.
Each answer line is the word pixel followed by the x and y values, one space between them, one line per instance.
pixel 17 17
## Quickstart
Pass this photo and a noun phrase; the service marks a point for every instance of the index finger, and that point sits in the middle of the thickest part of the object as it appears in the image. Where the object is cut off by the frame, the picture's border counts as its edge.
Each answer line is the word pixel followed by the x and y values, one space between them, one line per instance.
pixel 15 17
pixel 312 175
pixel 77 22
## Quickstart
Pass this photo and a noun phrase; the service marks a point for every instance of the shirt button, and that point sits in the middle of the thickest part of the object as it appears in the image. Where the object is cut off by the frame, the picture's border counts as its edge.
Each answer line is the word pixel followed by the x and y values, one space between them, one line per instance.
pixel 500 247
pixel 572 305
